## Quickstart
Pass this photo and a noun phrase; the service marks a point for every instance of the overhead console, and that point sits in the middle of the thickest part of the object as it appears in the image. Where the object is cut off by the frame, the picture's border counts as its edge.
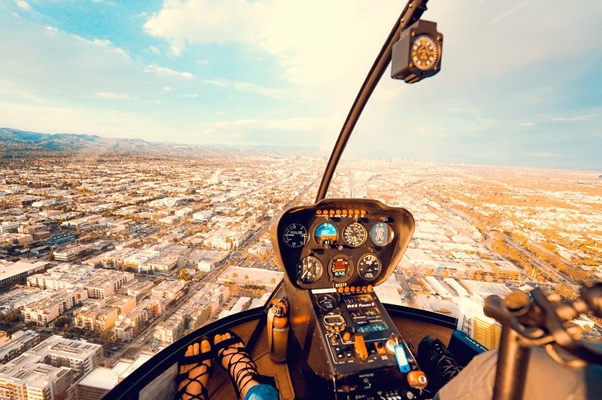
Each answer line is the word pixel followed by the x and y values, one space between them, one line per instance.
pixel 333 254
pixel 342 242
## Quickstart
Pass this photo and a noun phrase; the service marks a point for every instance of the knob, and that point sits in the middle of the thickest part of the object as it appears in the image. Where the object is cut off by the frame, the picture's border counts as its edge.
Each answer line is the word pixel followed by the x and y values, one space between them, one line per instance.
pixel 417 379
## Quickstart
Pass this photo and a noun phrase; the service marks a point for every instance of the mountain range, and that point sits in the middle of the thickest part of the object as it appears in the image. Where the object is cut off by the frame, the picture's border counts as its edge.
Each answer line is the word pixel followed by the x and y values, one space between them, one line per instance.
pixel 15 143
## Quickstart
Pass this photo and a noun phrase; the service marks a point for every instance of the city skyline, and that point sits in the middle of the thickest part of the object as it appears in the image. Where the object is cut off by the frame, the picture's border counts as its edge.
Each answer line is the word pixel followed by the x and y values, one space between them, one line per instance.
pixel 269 73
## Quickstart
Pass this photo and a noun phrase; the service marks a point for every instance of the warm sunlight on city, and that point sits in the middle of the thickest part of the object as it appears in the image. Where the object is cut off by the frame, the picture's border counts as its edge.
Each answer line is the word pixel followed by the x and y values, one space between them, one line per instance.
pixel 271 199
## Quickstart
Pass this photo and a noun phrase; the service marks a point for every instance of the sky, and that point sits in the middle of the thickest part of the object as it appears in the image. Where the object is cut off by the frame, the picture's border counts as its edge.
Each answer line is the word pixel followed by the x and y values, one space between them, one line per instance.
pixel 520 84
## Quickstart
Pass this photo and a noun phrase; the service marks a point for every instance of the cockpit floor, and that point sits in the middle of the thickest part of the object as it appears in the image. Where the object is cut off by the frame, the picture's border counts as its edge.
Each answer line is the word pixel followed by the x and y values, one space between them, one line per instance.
pixel 220 386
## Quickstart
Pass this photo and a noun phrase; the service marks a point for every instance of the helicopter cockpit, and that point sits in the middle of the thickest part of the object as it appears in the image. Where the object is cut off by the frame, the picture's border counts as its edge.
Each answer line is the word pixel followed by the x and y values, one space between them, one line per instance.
pixel 324 333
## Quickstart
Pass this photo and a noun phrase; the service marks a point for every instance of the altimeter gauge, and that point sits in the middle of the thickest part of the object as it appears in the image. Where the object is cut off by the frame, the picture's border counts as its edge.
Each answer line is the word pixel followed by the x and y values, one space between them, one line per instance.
pixel 309 270
pixel 355 234
pixel 295 235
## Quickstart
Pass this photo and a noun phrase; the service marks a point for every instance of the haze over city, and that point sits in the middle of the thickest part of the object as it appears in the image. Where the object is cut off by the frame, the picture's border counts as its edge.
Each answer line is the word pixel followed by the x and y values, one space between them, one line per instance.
pixel 148 146
pixel 108 259
pixel 520 81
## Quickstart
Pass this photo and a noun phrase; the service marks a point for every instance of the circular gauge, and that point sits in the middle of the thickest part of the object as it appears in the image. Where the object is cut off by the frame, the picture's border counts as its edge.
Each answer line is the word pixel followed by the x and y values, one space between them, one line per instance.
pixel 339 268
pixel 326 302
pixel 369 267
pixel 309 269
pixel 355 234
pixel 326 233
pixel 424 52
pixel 381 234
pixel 295 235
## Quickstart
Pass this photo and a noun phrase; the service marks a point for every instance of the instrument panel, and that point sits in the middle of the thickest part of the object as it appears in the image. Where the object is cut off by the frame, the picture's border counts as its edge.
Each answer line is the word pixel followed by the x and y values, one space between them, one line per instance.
pixel 341 242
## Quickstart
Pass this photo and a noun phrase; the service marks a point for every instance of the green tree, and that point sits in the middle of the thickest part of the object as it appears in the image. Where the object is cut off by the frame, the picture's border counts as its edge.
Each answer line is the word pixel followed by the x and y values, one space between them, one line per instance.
pixel 185 275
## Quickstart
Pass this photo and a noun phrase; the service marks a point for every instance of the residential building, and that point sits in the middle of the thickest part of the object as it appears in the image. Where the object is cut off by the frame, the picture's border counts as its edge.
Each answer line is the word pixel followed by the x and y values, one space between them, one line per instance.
pixel 17 272
pixel 26 377
pixel 44 311
pixel 19 342
pixel 79 355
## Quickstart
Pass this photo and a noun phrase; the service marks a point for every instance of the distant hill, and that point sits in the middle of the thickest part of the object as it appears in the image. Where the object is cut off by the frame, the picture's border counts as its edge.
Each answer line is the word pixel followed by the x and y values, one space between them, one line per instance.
pixel 15 143
pixel 14 140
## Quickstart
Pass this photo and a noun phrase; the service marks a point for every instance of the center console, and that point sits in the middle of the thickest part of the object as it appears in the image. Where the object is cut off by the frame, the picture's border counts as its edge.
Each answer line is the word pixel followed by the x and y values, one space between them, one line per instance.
pixel 366 354
pixel 333 254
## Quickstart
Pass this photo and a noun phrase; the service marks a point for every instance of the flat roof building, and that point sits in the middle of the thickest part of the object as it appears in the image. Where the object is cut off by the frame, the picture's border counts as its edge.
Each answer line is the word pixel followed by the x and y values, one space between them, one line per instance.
pixel 16 272
pixel 79 355
pixel 26 377
pixel 19 342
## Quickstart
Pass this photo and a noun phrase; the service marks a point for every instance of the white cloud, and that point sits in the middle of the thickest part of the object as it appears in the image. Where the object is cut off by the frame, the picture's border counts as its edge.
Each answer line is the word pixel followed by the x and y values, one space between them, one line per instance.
pixel 108 45
pixel 544 154
pixel 250 87
pixel 23 4
pixel 105 2
pixel 205 21
pixel 325 49
pixel 12 89
pixel 290 124
pixel 577 118
pixel 168 72
pixel 324 42
pixel 316 42
pixel 507 68
pixel 111 96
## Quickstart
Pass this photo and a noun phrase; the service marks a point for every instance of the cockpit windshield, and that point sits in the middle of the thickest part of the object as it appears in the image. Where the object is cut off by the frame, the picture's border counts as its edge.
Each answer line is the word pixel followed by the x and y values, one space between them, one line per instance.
pixel 148 147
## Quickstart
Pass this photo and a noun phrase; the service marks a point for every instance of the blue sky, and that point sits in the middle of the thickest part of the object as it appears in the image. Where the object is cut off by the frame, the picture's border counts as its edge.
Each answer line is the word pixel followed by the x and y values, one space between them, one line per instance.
pixel 521 81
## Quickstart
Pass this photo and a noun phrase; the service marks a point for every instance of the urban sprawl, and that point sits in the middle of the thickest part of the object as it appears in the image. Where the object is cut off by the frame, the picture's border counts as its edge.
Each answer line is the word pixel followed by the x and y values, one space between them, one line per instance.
pixel 104 262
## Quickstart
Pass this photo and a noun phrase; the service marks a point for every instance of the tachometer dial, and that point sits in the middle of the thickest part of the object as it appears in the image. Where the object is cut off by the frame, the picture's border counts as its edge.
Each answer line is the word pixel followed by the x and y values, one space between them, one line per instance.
pixel 369 267
pixel 295 235
pixel 355 234
pixel 326 233
pixel 309 270
pixel 381 234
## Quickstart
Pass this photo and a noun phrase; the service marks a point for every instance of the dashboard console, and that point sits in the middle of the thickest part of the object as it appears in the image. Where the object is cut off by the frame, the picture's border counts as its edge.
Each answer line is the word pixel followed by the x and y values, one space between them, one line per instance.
pixel 333 254
pixel 338 243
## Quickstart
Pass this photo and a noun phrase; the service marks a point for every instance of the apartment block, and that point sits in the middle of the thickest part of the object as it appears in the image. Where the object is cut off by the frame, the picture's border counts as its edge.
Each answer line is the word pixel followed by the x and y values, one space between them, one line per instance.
pixel 26 377
pixel 13 273
pixel 44 311
pixel 18 343
pixel 79 355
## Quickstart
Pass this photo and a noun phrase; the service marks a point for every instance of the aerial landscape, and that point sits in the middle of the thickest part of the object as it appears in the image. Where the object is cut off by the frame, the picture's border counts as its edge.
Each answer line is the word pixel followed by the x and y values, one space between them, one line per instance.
pixel 148 149
pixel 131 253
